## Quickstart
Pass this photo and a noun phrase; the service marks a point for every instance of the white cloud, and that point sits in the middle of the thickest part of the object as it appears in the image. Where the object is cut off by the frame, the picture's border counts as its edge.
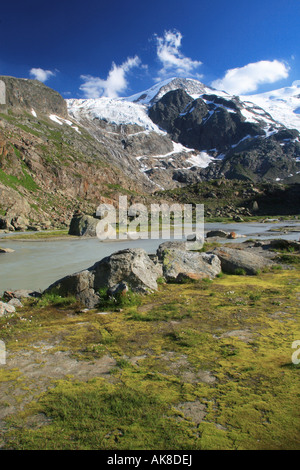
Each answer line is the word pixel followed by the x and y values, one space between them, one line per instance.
pixel 247 79
pixel 41 74
pixel 115 83
pixel 172 59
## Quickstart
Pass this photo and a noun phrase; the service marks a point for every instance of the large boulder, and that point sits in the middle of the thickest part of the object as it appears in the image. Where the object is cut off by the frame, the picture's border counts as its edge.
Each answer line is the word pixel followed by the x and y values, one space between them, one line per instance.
pixel 177 260
pixel 83 225
pixel 131 266
pixel 235 260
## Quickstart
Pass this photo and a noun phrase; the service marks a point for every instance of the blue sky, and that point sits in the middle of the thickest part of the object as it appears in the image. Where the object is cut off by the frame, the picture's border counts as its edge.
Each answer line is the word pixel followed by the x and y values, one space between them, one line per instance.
pixel 116 48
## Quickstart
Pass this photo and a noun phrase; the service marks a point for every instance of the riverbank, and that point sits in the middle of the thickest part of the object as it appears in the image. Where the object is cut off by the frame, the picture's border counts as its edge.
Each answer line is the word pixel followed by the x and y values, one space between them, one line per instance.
pixel 35 265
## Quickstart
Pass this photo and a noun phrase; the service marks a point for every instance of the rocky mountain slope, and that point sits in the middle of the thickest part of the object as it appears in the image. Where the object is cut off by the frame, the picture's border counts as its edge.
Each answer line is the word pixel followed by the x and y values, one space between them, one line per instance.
pixel 212 133
pixel 51 165
pixel 59 155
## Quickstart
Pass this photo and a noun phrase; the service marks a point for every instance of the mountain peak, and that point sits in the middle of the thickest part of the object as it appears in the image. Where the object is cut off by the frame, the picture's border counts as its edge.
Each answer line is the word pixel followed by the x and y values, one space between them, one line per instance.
pixel 193 87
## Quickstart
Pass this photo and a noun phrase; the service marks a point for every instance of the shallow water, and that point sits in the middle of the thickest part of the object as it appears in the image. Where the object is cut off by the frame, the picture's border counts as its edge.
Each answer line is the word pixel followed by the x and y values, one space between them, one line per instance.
pixel 37 264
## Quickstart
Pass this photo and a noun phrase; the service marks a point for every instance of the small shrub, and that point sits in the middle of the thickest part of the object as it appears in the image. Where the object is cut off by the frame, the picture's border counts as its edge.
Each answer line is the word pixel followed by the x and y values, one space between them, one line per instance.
pixel 53 298
pixel 119 300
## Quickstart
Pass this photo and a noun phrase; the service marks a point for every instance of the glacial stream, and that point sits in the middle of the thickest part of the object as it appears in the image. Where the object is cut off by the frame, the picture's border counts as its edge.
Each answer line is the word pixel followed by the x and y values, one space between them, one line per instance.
pixel 37 264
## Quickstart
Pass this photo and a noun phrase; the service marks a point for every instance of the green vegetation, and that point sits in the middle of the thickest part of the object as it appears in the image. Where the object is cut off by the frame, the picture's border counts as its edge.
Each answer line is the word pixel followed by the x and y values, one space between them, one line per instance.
pixel 14 182
pixel 118 300
pixel 41 235
pixel 206 365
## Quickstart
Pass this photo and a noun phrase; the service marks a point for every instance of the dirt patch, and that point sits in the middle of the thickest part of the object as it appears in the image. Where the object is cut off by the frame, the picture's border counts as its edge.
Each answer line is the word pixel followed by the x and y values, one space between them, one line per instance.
pixel 179 365
pixel 244 335
pixel 194 410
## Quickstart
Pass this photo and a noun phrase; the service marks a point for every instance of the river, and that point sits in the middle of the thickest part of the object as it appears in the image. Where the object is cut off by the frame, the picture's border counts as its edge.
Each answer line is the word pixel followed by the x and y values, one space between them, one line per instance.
pixel 37 264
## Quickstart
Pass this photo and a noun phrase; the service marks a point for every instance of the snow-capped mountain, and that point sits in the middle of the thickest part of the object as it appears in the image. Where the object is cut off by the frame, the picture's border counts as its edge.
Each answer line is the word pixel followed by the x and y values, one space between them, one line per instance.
pixel 282 104
pixel 181 131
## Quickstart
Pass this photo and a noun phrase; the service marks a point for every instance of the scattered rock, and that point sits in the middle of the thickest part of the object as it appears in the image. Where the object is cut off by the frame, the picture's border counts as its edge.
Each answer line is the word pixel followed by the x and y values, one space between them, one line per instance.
pixel 244 335
pixel 20 294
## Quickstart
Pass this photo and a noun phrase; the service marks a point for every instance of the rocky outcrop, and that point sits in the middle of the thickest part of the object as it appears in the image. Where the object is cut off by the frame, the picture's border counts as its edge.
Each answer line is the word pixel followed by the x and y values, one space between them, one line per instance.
pixel 31 94
pixel 236 261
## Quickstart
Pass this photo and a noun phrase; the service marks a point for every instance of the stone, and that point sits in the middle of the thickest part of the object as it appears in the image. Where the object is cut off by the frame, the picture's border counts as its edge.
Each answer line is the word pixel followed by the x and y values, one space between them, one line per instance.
pixel 232 235
pixel 21 294
pixel 176 259
pixel 6 250
pixel 15 303
pixel 131 266
pixel 217 233
pixel 233 260
pixel 83 225
pixel 6 309
pixel 20 223
pixel 80 285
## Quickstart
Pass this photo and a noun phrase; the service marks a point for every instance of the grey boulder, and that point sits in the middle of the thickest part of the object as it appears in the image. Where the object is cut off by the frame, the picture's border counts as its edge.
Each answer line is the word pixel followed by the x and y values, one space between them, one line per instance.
pixel 131 266
pixel 176 260
pixel 83 225
pixel 233 260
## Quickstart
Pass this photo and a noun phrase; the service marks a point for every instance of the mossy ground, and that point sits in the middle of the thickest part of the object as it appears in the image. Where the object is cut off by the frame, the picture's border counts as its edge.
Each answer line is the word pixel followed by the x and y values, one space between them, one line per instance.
pixel 206 365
